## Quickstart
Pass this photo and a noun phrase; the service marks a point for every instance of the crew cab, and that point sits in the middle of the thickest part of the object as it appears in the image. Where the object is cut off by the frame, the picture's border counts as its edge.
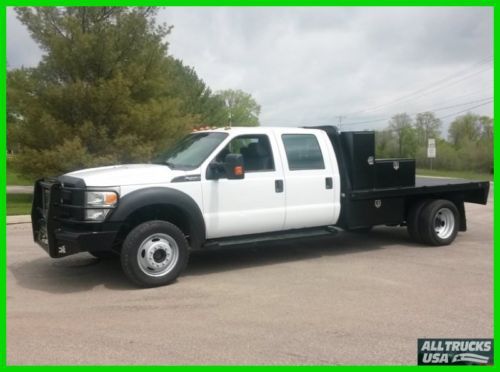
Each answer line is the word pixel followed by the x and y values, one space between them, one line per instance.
pixel 233 186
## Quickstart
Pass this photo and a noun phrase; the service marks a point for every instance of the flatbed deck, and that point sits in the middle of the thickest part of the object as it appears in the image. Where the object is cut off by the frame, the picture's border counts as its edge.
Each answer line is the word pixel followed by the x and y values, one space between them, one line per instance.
pixel 470 191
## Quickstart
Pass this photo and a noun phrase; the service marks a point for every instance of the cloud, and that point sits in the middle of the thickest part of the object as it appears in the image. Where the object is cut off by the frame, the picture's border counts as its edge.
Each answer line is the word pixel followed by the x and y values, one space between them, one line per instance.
pixel 21 49
pixel 311 65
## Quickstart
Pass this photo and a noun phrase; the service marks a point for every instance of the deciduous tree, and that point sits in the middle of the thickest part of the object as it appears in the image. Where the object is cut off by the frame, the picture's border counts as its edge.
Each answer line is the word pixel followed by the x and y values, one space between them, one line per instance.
pixel 242 109
pixel 402 126
pixel 427 126
pixel 465 128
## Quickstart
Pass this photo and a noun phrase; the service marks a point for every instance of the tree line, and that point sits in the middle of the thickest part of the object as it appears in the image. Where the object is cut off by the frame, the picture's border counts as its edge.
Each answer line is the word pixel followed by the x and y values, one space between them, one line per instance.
pixel 468 145
pixel 107 91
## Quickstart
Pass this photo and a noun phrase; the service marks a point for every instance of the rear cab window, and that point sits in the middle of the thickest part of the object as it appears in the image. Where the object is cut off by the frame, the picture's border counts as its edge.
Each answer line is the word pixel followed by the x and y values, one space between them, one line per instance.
pixel 302 152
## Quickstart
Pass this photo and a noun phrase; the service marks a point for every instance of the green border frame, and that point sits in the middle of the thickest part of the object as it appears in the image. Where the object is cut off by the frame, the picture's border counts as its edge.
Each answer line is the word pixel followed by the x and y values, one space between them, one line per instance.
pixel 9 3
pixel 3 159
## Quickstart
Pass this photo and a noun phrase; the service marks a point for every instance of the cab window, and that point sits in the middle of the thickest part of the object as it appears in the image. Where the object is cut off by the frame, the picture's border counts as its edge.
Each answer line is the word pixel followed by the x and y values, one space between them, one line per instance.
pixel 255 149
pixel 303 152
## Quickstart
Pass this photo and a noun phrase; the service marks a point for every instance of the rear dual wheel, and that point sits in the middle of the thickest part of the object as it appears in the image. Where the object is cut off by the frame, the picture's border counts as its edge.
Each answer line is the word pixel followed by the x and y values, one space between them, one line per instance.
pixel 433 222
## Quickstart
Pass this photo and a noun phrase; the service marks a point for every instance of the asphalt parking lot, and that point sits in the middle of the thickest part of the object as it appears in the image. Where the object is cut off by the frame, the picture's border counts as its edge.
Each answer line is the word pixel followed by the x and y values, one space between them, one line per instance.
pixel 348 299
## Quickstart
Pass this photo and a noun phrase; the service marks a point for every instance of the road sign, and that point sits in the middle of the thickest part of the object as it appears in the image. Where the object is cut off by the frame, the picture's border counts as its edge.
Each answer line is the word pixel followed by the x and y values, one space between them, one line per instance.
pixel 431 148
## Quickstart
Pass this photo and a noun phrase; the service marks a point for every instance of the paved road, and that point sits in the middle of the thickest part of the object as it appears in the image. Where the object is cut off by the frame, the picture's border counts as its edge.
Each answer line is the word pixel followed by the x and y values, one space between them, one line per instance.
pixel 344 300
pixel 19 189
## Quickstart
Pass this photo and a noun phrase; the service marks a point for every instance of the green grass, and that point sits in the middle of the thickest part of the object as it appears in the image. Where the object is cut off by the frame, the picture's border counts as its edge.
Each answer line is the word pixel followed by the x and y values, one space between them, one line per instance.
pixel 16 179
pixel 18 204
pixel 468 175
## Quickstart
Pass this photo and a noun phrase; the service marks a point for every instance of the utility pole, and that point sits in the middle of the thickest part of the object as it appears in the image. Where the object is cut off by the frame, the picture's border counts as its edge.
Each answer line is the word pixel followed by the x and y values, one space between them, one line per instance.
pixel 229 112
pixel 340 117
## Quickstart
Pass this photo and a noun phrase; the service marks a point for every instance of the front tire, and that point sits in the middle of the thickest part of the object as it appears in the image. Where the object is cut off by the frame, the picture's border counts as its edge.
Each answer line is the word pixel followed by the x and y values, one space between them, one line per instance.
pixel 438 222
pixel 154 254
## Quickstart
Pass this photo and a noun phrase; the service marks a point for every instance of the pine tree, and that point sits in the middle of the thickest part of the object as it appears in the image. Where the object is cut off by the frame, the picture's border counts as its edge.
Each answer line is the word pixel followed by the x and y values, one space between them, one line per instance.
pixel 104 91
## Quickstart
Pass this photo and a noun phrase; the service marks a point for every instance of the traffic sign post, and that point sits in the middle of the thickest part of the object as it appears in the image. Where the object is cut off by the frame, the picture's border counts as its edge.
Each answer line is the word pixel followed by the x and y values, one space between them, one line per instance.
pixel 431 150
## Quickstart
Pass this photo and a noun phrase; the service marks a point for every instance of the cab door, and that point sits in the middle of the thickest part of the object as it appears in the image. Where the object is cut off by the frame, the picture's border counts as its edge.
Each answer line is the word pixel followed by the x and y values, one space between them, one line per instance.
pixel 254 204
pixel 312 184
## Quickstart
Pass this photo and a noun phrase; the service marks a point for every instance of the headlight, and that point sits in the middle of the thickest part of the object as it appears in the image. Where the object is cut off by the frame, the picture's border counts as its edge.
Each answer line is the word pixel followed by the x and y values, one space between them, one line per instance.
pixel 96 214
pixel 101 198
pixel 100 203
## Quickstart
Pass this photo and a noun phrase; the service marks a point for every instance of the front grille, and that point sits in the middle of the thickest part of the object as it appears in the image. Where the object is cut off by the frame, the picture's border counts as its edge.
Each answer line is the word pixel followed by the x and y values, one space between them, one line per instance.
pixel 45 200
pixel 71 203
pixel 59 206
pixel 61 201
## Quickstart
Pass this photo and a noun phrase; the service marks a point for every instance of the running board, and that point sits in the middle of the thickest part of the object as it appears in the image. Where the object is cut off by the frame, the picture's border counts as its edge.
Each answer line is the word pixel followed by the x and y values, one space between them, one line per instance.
pixel 270 237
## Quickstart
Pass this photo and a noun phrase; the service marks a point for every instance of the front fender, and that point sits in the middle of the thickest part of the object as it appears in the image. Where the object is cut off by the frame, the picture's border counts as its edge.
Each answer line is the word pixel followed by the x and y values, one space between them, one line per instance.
pixel 163 196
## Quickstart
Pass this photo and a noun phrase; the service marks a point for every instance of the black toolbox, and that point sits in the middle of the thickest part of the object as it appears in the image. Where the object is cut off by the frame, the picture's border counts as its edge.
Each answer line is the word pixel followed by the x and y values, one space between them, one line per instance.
pixel 366 172
pixel 394 173
pixel 359 148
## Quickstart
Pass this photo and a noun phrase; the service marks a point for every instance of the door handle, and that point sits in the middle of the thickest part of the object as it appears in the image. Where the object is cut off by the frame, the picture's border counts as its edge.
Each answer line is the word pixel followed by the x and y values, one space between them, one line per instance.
pixel 328 183
pixel 278 185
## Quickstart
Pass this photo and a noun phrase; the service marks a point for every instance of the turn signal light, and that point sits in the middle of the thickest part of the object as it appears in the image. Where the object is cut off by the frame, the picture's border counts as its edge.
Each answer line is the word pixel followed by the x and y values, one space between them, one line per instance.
pixel 111 198
pixel 238 170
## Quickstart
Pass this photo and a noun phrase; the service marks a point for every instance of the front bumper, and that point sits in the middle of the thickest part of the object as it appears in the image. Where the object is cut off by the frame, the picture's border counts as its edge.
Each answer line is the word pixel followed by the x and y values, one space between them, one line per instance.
pixel 60 234
pixel 67 242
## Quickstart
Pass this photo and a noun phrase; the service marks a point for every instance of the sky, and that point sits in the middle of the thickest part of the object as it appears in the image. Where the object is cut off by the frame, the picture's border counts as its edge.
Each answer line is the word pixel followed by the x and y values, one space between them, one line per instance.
pixel 353 66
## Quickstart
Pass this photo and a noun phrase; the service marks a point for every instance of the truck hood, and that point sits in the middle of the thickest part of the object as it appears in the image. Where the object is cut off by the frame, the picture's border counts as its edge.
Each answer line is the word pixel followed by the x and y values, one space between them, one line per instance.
pixel 128 174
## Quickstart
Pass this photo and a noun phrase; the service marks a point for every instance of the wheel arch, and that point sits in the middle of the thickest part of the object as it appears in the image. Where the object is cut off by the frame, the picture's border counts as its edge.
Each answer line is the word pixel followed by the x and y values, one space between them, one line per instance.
pixel 160 203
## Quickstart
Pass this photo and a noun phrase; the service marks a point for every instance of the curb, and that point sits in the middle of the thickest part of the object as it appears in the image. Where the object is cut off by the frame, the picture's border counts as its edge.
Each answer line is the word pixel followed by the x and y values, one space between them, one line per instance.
pixel 16 220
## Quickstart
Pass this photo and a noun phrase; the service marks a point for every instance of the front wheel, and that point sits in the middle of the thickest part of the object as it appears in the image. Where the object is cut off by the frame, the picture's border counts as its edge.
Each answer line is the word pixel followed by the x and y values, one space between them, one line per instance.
pixel 438 222
pixel 154 253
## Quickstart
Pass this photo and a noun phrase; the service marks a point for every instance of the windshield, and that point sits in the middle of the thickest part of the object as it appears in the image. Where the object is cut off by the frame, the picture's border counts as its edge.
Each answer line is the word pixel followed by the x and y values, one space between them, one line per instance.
pixel 191 151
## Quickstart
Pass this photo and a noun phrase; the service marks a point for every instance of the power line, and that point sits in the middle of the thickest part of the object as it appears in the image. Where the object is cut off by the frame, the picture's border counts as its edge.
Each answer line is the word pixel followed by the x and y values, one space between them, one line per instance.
pixel 437 88
pixel 461 112
pixel 435 109
pixel 469 94
pixel 454 82
pixel 453 114
pixel 457 105
pixel 460 104
pixel 432 87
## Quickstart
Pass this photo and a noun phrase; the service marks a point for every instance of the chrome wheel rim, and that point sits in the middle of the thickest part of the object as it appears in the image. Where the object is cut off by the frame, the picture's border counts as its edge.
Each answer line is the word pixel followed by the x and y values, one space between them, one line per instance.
pixel 444 223
pixel 158 255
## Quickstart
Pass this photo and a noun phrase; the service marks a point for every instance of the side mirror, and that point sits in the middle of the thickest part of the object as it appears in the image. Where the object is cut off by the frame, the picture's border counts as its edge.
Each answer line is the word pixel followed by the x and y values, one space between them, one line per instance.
pixel 234 167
